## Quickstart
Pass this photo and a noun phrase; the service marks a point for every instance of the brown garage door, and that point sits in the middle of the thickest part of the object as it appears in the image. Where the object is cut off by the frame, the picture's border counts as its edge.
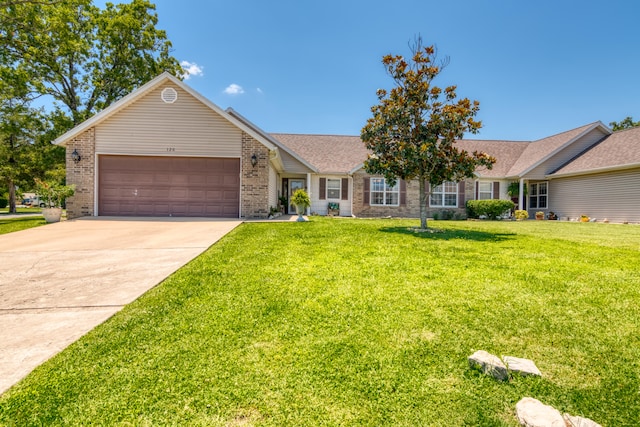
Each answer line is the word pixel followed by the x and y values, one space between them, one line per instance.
pixel 168 186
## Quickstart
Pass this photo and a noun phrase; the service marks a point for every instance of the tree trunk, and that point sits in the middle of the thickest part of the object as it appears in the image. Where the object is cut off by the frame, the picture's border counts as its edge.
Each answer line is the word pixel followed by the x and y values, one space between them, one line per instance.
pixel 423 203
pixel 12 197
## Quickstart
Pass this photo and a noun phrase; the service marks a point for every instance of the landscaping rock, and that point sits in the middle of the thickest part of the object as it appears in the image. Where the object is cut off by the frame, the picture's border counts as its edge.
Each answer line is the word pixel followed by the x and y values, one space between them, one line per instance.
pixel 489 364
pixel 572 421
pixel 533 413
pixel 522 366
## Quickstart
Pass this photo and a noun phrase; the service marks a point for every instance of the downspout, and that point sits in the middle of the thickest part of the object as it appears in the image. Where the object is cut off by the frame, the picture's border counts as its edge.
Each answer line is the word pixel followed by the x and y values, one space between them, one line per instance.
pixel 521 194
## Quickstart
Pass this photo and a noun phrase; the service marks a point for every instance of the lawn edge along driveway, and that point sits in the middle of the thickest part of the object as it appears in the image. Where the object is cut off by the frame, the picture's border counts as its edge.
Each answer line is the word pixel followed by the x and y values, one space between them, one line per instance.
pixel 61 280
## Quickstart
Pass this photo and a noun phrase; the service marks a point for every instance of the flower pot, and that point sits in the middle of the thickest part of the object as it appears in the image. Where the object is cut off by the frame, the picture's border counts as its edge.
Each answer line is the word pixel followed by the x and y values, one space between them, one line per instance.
pixel 300 211
pixel 52 214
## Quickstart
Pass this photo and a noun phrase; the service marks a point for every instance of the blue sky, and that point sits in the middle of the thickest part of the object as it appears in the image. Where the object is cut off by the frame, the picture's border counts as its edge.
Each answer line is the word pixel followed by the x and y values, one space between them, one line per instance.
pixel 537 67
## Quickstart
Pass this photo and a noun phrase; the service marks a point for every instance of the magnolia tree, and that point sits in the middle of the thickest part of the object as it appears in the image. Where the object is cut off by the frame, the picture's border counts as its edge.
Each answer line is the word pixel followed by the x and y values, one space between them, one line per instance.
pixel 414 129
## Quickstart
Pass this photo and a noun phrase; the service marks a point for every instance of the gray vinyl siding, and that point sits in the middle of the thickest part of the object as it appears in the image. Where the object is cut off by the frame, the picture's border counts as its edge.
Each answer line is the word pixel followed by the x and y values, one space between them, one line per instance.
pixel 291 165
pixel 185 128
pixel 564 156
pixel 613 195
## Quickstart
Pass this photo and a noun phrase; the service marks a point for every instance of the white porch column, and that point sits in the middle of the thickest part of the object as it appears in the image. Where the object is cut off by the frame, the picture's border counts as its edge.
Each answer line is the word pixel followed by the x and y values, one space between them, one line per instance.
pixel 521 194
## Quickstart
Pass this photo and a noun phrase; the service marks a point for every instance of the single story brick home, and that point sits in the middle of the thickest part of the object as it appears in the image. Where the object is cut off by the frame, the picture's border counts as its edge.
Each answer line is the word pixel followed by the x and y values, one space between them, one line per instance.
pixel 165 150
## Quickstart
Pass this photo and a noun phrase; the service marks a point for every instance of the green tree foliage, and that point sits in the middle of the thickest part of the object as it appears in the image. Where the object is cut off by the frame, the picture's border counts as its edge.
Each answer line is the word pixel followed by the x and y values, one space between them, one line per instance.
pixel 413 132
pixel 20 125
pixel 627 123
pixel 82 56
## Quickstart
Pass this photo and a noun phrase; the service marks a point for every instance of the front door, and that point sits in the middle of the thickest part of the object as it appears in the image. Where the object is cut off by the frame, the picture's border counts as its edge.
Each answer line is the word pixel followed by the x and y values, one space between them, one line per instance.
pixel 294 184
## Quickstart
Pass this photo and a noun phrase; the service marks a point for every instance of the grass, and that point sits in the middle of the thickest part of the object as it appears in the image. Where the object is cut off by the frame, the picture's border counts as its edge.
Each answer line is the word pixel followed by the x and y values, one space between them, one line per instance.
pixel 362 323
pixel 9 225
pixel 21 210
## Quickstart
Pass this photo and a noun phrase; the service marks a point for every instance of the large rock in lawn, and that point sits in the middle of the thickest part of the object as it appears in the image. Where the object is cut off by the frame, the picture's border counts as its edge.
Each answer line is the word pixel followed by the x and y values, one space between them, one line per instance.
pixel 489 364
pixel 522 366
pixel 572 421
pixel 533 413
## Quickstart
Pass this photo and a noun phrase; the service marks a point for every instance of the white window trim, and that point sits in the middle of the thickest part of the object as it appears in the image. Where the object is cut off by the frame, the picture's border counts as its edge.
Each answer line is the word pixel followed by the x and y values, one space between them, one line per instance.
pixel 396 189
pixel 484 192
pixel 537 195
pixel 339 189
pixel 443 193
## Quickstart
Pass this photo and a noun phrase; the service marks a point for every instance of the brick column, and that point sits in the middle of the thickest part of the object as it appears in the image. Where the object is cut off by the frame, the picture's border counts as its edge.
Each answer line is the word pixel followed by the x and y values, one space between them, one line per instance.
pixel 82 175
pixel 254 192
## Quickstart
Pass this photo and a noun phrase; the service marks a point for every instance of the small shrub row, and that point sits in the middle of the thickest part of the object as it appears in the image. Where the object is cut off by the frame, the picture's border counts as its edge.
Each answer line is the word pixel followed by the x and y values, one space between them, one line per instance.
pixel 491 209
pixel 3 203
pixel 448 215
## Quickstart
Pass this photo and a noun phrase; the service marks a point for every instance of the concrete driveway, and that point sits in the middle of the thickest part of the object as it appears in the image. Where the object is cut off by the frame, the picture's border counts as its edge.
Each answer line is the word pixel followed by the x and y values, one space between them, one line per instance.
pixel 59 281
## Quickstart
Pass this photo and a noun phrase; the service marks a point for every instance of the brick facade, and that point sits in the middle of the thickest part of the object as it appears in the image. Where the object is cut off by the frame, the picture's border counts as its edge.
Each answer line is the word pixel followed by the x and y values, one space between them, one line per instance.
pixel 81 174
pixel 254 191
pixel 411 207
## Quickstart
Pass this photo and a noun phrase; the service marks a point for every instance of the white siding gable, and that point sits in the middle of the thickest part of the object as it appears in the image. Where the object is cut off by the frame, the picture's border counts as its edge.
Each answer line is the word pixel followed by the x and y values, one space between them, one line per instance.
pixel 185 127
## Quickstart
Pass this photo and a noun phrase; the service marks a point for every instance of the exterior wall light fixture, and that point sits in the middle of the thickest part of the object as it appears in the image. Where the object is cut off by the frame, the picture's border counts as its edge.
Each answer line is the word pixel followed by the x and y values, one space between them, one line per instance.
pixel 75 156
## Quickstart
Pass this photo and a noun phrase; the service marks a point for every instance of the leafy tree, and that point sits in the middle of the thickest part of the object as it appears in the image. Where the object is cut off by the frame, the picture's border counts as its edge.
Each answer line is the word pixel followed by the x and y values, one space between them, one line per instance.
pixel 627 123
pixel 413 132
pixel 82 56
pixel 19 127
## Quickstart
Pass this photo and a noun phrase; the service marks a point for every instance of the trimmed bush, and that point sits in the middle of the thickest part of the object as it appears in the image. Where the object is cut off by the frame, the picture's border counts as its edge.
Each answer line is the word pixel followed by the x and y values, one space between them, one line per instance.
pixel 3 203
pixel 491 209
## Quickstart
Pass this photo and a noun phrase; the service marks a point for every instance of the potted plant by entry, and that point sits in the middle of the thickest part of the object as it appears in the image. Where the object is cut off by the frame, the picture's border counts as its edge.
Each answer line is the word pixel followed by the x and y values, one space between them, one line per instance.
pixel 53 194
pixel 521 215
pixel 300 199
pixel 284 202
pixel 539 215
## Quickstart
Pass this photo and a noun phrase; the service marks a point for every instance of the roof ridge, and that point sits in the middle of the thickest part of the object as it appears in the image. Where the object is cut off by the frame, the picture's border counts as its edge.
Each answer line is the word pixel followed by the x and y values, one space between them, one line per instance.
pixel 567 131
pixel 313 134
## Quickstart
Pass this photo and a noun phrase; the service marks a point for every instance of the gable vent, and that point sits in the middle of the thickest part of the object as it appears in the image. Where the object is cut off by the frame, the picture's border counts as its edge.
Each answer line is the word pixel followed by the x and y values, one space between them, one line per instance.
pixel 169 95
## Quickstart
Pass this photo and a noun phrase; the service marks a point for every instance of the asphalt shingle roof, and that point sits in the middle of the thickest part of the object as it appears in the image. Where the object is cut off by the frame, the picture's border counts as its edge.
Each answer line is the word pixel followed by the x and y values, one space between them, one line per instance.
pixel 327 153
pixel 619 149
pixel 506 154
pixel 341 154
pixel 543 148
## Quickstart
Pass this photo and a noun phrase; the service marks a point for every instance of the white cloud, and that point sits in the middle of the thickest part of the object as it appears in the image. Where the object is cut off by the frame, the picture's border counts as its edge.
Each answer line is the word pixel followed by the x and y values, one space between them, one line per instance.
pixel 191 69
pixel 259 91
pixel 234 89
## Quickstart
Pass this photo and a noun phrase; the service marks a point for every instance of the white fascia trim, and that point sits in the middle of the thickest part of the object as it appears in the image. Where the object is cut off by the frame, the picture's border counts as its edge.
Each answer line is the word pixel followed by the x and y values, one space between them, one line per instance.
pixel 356 169
pixel 596 125
pixel 272 140
pixel 594 171
pixel 110 110
pixel 147 87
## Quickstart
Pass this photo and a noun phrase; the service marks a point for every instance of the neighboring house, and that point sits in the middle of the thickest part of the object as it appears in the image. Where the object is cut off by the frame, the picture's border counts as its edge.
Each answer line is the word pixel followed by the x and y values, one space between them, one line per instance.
pixel 165 150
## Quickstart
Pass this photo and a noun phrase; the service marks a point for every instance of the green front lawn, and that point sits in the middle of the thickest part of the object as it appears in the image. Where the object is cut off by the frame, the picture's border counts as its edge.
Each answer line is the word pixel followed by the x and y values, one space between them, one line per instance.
pixel 362 322
pixel 9 225
pixel 21 210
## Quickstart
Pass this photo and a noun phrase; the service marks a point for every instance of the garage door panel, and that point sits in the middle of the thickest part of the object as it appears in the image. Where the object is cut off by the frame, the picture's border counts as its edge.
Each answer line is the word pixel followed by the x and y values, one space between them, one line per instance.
pixel 163 186
pixel 162 178
pixel 228 196
pixel 197 179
